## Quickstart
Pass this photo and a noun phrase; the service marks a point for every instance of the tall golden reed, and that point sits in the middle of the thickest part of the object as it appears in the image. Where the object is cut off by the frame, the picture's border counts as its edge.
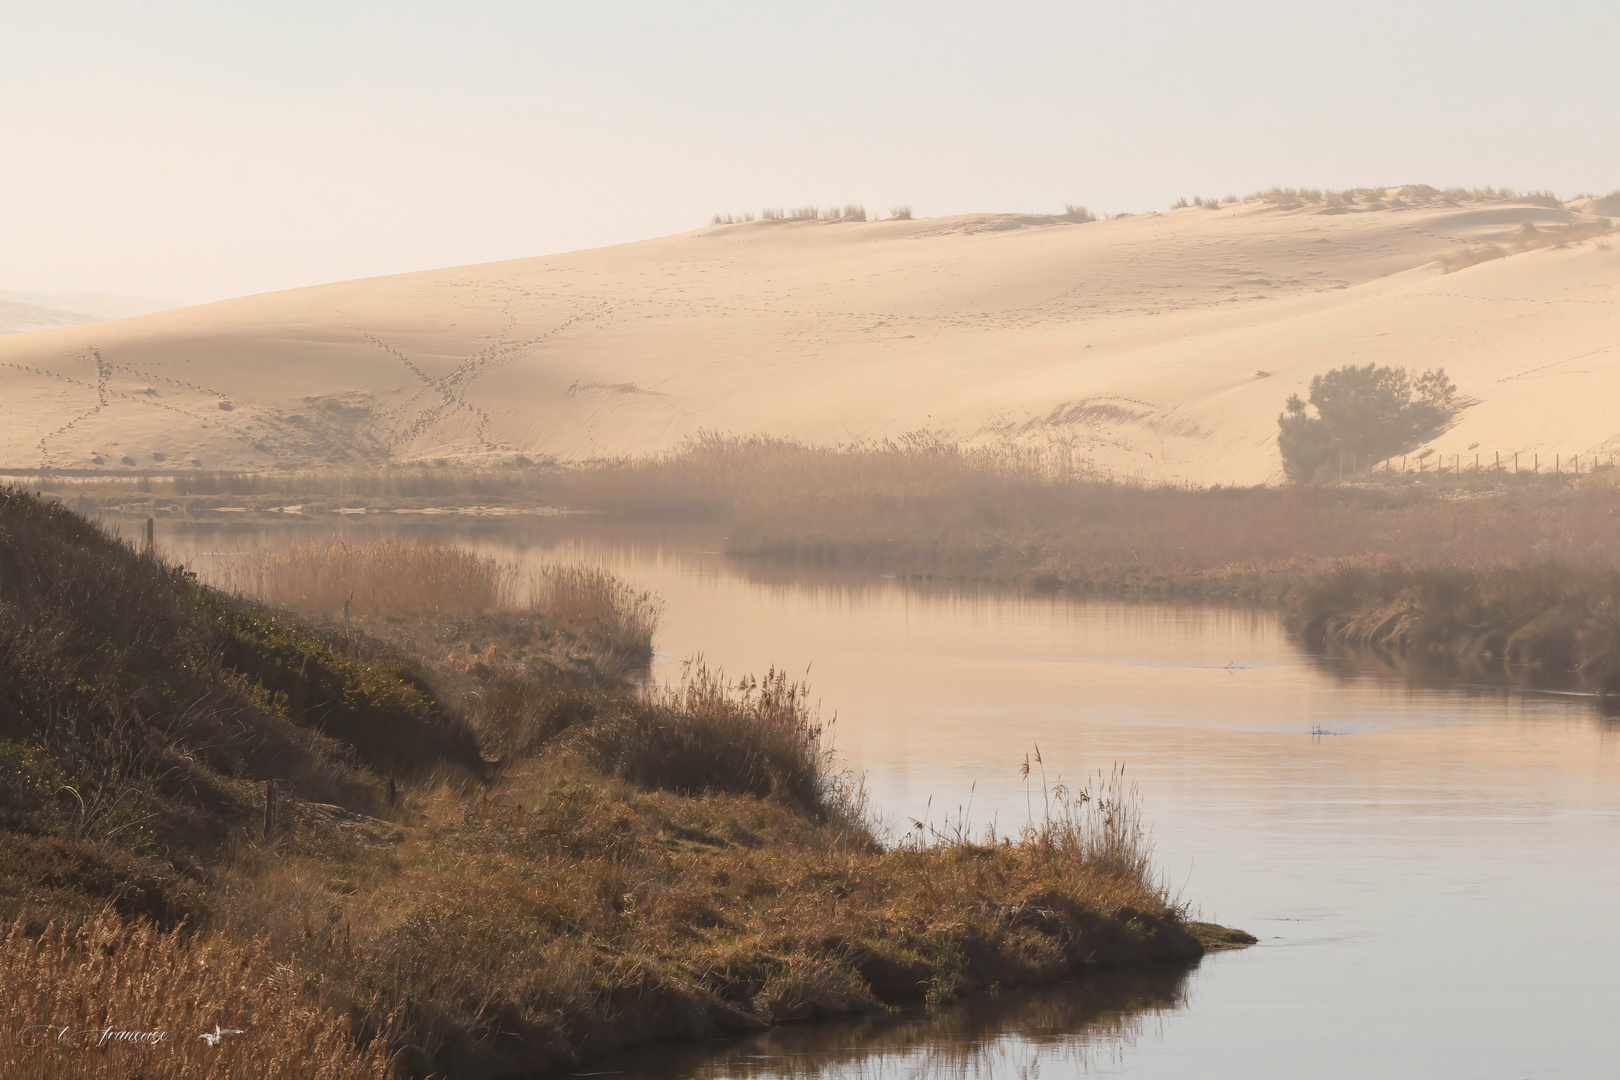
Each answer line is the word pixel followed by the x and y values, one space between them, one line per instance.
pixel 396 577
pixel 412 577
pixel 111 1001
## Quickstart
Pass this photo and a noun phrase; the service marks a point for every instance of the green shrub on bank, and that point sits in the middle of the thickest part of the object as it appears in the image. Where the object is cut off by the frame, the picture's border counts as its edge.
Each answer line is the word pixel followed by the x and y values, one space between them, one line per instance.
pixel 1365 413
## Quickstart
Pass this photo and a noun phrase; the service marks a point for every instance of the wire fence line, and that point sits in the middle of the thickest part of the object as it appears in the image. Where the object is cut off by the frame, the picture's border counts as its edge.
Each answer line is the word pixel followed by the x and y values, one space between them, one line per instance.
pixel 1513 462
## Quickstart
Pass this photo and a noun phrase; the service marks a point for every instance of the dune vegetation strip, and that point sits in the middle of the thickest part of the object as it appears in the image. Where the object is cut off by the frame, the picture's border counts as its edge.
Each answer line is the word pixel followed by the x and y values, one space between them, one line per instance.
pixel 483 859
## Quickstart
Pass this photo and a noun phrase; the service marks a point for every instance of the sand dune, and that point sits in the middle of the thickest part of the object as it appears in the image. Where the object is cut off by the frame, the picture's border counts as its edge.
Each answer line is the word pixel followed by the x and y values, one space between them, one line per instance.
pixel 1159 345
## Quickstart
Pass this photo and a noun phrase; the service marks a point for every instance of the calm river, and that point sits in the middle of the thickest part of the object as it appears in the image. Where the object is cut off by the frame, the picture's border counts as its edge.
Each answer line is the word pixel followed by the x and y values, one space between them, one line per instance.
pixel 1431 868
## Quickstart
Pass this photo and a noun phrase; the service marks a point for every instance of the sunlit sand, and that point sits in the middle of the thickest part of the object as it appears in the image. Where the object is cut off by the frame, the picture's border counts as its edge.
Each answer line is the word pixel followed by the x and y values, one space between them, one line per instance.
pixel 1159 345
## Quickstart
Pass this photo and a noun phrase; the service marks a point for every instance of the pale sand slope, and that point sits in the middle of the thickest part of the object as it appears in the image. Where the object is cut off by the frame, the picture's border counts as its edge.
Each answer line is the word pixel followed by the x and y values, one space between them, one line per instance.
pixel 1135 341
pixel 21 312
pixel 17 318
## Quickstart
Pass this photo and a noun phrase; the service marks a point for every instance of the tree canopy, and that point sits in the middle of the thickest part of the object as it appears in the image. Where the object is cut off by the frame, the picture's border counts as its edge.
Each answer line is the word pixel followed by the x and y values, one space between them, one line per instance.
pixel 1370 412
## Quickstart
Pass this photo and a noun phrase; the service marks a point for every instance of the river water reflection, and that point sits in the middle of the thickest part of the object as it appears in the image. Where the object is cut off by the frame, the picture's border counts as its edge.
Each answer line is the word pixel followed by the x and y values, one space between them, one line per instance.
pixel 1432 868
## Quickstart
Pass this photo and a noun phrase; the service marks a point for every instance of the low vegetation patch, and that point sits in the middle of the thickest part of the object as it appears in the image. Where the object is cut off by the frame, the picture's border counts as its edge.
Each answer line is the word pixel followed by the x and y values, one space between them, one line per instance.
pixel 485 859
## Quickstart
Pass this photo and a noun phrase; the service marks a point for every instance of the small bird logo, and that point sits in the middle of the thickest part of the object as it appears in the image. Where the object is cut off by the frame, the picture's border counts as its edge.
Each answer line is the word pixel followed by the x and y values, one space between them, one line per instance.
pixel 212 1038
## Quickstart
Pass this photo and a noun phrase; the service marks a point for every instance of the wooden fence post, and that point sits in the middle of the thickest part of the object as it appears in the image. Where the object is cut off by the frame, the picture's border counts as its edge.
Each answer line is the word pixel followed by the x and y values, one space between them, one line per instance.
pixel 150 533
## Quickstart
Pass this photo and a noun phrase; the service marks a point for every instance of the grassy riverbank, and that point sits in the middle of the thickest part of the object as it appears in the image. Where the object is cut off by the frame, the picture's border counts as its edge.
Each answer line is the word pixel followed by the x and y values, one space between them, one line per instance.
pixel 1490 567
pixel 491 853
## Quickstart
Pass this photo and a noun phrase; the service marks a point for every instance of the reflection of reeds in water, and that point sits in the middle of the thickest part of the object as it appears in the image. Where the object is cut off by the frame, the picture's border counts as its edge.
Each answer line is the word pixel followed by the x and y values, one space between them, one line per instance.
pixel 1537 620
pixel 1078 1024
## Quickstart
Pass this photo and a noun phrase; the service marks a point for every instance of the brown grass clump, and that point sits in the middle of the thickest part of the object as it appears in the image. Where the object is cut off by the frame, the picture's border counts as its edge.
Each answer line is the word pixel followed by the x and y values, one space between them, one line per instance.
pixel 112 1000
pixel 574 595
pixel 757 737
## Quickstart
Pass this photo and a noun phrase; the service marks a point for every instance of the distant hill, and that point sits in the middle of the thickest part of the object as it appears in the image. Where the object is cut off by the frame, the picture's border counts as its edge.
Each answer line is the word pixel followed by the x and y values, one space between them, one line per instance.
pixel 1157 345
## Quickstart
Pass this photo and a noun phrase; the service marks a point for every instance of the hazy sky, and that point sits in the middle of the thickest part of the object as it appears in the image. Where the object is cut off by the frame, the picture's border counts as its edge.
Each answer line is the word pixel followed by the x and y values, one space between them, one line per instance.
pixel 200 150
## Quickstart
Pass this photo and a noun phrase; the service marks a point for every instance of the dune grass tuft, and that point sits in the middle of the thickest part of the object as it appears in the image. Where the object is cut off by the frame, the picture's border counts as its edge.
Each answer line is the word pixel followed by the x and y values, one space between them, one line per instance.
pixel 1472 256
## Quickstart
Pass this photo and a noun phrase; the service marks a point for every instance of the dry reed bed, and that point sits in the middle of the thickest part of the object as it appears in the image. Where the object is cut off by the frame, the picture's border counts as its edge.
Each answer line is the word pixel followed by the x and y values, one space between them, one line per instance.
pixel 1031 515
pixel 414 577
pixel 111 1001
pixel 510 647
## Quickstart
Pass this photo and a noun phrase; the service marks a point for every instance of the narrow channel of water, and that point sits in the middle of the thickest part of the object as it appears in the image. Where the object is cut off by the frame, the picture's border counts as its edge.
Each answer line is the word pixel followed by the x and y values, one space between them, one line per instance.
pixel 1431 868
